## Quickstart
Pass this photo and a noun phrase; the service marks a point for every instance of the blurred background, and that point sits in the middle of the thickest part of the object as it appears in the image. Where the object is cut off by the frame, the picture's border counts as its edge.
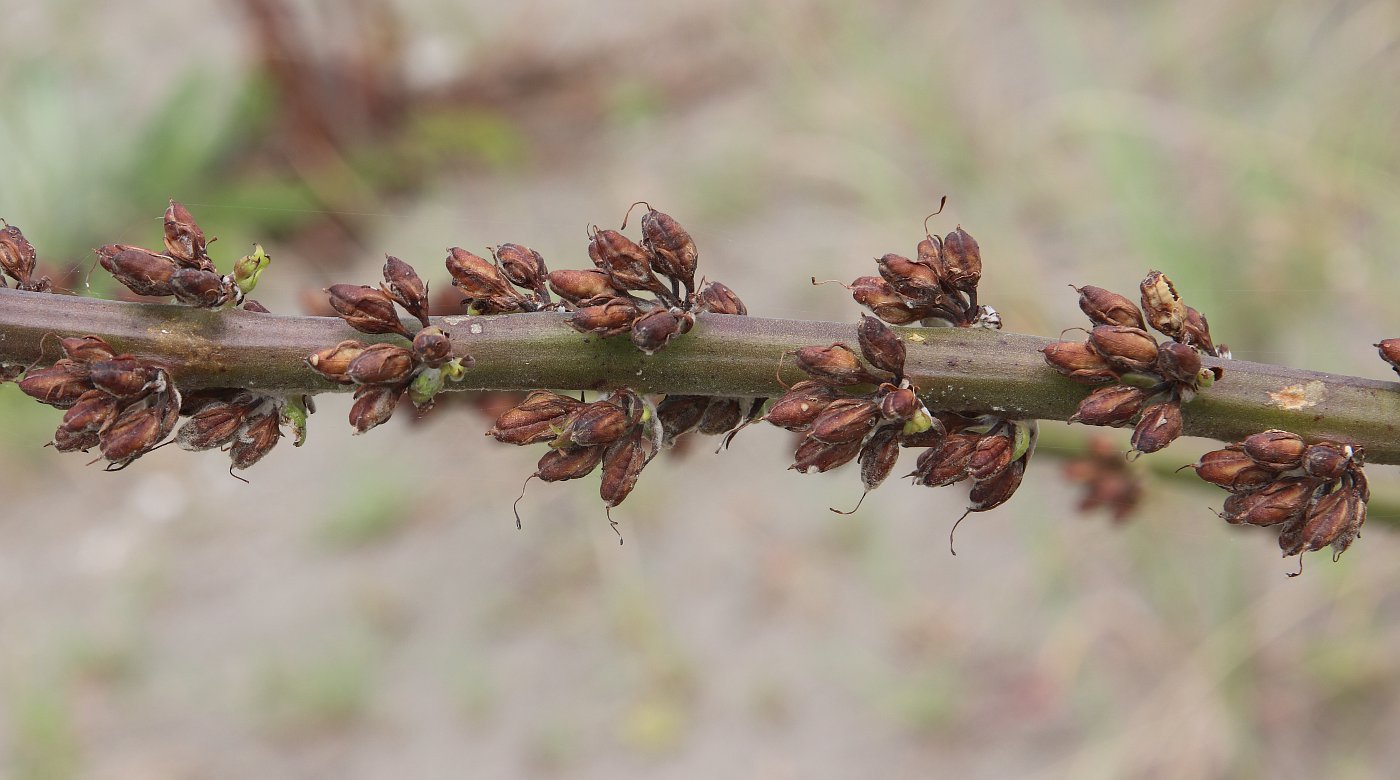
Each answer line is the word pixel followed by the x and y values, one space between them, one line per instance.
pixel 366 607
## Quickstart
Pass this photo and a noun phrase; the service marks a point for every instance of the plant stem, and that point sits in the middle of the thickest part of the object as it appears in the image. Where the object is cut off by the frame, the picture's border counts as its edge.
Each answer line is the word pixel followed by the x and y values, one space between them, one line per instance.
pixel 957 368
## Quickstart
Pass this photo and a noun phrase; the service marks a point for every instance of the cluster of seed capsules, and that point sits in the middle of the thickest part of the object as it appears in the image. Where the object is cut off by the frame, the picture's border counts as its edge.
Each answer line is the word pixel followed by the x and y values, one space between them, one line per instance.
pixel 1315 493
pixel 384 372
pixel 1140 378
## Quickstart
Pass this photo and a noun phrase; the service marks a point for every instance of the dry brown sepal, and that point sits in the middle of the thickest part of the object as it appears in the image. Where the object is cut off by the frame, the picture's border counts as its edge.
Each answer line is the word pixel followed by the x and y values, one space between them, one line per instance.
pixel 1108 479
pixel 1142 379
pixel 1315 493
pixel 183 271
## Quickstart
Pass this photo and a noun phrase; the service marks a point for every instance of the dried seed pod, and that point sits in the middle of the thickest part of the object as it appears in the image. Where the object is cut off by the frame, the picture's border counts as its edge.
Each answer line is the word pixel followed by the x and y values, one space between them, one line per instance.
pixel 1390 353
pixel 213 426
pixel 205 289
pixel 612 318
pixel 915 282
pixel 432 346
pixel 1327 519
pixel 142 271
pixel 1163 307
pixel 524 267
pixel 568 463
pixel 184 241
pixel 673 253
pixel 381 364
pixel 536 419
pixel 656 328
pixel 1196 331
pixel 990 457
pixel 878 456
pixel 844 420
pixel 257 438
pixel 1275 449
pixel 623 463
pixel 1326 460
pixel 366 309
pixel 1078 362
pixel 929 252
pixel 721 416
pixel 333 362
pixel 1276 502
pixel 835 365
pixel 86 349
pixel 1233 469
pixel 991 493
pixel 59 386
pixel 1108 308
pixel 1357 497
pixel 947 463
pixel 133 433
pixel 716 297
pixel 880 346
pixel 579 287
pixel 17 255
pixel 899 403
pixel 800 405
pixel 601 422
pixel 877 295
pixel 1178 362
pixel 374 404
pixel 403 285
pixel 1124 348
pixel 626 264
pixel 93 410
pixel 1159 426
pixel 476 277
pixel 1112 405
pixel 65 440
pixel 819 456
pixel 962 261
pixel 679 414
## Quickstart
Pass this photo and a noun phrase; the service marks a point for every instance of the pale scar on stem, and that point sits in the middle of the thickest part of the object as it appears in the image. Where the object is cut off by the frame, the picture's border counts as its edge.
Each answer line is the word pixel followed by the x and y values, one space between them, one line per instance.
pixel 1296 397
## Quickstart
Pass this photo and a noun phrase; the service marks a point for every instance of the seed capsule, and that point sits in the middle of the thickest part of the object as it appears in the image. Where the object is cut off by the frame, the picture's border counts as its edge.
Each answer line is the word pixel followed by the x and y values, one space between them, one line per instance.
pixel 1124 348
pixel 213 426
pixel 1327 518
pixel 1278 450
pixel 1196 331
pixel 656 328
pixel 844 420
pixel 679 414
pixel 915 282
pixel 878 456
pixel 1390 353
pixel 623 463
pixel 536 419
pixel 198 287
pixel 721 416
pixel 381 364
pixel 626 264
pixel 93 410
pixel 1078 362
pixel 1165 311
pixel 835 365
pixel 1326 460
pixel 568 463
pixel 990 457
pixel 1178 362
pixel 880 346
pixel 718 298
pixel 612 318
pixel 929 253
pixel 476 277
pixel 17 255
pixel 403 285
pixel 899 403
pixel 134 432
pixel 1112 405
pixel 366 309
pixel 819 456
pixel 947 463
pixel 374 404
pixel 65 440
pixel 581 287
pixel 601 422
pixel 1160 425
pixel 523 266
pixel 59 386
pixel 877 295
pixel 1234 470
pixel 991 493
pixel 800 405
pixel 1277 502
pixel 333 362
pixel 962 260
pixel 673 252
pixel 184 241
pixel 257 438
pixel 432 346
pixel 142 271
pixel 1109 308
pixel 86 349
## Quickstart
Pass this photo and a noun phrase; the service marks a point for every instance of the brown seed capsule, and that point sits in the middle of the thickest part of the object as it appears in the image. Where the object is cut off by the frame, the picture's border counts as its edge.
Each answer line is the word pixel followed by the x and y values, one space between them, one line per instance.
pixel 990 457
pixel 1357 498
pixel 899 403
pixel 91 411
pixel 523 266
pixel 366 309
pixel 845 419
pixel 476 277
pixel 1112 405
pixel 1163 307
pixel 800 405
pixel 257 438
pixel 17 255
pixel 877 295
pixel 1390 353
pixel 184 241
pixel 1125 348
pixel 65 440
pixel 333 362
pixel 1326 460
pixel 59 386
pixel 656 328
pixel 568 463
pixel 1327 518
pixel 536 419
pixel 947 463
pixel 835 365
pixel 962 261
pixel 1196 331
pixel 142 271
pixel 1108 308
pixel 721 416
pixel 1160 425
pixel 880 346
pixel 580 287
pixel 1277 502
pixel 86 349
pixel 626 264
pixel 601 422
pixel 819 456
pixel 381 364
pixel 1178 362
pixel 213 426
pixel 878 456
pixel 1233 469
pixel 1278 450
pixel 612 318
pixel 374 404
pixel 432 346
pixel 198 287
pixel 673 252
pixel 929 252
pixel 716 297
pixel 623 463
pixel 679 414
pixel 915 282
pixel 991 493
pixel 133 433
pixel 1078 362
pixel 403 285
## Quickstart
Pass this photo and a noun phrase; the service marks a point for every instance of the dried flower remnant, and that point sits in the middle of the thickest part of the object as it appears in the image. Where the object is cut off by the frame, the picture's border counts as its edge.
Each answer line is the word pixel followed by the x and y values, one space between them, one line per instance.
pixel 1315 493
pixel 18 260
pixel 1143 379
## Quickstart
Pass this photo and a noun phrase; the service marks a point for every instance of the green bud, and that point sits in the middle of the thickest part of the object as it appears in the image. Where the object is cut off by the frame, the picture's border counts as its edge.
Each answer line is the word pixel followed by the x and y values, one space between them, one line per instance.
pixel 920 422
pixel 455 369
pixel 1023 438
pixel 249 267
pixel 425 386
pixel 294 414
